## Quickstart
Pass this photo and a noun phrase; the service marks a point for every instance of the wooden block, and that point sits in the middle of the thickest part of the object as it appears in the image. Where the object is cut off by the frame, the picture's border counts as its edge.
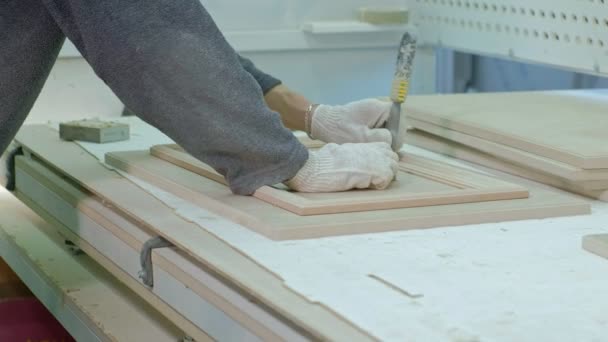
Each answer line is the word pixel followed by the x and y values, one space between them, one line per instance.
pixel 566 126
pixel 594 179
pixel 420 182
pixel 596 244
pixel 94 131
pixel 384 15
pixel 456 150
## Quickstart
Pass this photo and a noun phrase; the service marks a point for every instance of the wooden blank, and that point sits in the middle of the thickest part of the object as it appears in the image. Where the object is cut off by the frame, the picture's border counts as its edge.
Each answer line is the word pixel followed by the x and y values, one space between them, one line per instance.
pixel 94 131
pixel 565 126
pixel 420 182
pixel 596 244
pixel 456 150
pixel 595 179
pixel 279 224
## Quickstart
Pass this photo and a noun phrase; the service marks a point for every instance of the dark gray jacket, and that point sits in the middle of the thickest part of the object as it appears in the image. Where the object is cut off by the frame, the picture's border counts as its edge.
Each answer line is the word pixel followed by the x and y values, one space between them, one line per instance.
pixel 169 64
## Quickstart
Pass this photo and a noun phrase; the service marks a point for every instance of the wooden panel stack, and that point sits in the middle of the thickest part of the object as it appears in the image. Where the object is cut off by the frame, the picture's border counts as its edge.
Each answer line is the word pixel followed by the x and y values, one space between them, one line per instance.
pixel 420 182
pixel 596 244
pixel 559 138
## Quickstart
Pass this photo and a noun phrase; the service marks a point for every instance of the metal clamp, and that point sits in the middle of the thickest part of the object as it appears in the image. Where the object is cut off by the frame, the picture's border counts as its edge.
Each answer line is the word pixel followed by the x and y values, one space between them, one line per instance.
pixel 73 248
pixel 145 258
pixel 11 183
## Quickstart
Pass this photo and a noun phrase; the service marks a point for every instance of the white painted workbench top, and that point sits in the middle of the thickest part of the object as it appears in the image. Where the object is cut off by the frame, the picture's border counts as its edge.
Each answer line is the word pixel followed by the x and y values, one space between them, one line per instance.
pixel 513 281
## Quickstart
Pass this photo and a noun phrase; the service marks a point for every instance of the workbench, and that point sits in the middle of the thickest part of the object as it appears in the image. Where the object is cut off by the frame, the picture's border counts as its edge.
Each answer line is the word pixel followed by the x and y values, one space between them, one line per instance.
pixel 522 280
pixel 86 299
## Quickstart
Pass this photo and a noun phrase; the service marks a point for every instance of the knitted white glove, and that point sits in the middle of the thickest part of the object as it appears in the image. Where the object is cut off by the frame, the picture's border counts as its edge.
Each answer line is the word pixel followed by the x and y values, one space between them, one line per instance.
pixel 356 122
pixel 343 167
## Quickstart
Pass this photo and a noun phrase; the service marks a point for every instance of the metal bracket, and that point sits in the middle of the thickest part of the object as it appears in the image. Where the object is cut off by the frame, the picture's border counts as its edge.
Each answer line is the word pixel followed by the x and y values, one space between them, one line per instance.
pixel 11 183
pixel 145 258
pixel 73 248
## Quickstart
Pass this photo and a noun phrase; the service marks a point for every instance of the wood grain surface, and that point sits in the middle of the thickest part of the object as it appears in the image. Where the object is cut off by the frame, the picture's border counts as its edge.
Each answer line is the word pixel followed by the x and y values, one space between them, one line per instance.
pixel 456 150
pixel 420 182
pixel 565 126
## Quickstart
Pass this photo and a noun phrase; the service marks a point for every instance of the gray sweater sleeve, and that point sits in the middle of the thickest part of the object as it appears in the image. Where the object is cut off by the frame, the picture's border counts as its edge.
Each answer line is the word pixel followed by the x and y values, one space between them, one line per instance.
pixel 29 44
pixel 169 64
pixel 266 82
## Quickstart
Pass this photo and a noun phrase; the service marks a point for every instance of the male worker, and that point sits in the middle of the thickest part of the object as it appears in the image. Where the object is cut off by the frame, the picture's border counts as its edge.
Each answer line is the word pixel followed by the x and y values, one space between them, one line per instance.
pixel 168 62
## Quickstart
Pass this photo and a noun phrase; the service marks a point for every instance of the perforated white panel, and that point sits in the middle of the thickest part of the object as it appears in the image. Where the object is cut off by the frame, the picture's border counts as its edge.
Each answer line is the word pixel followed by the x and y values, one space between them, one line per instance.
pixel 571 34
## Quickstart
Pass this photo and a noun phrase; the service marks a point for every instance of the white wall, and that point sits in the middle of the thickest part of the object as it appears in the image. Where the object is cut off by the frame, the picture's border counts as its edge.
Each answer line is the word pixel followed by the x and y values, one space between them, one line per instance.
pixel 328 68
pixel 497 75
pixel 73 91
pixel 236 15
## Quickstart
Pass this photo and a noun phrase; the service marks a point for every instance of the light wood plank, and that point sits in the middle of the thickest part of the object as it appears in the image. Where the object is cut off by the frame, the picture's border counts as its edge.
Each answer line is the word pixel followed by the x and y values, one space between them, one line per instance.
pixel 596 179
pixel 420 182
pixel 312 319
pixel 176 263
pixel 246 275
pixel 107 307
pixel 565 126
pixel 279 224
pixel 596 244
pixel 456 150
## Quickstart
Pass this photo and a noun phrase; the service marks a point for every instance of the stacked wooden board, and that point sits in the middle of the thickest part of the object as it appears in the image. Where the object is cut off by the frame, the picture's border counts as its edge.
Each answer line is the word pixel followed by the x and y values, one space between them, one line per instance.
pixel 420 182
pixel 559 138
pixel 115 203
pixel 137 207
pixel 183 292
pixel 596 244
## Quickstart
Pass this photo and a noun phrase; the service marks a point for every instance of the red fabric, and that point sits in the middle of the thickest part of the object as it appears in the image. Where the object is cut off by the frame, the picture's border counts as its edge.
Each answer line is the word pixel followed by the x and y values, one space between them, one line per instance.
pixel 27 320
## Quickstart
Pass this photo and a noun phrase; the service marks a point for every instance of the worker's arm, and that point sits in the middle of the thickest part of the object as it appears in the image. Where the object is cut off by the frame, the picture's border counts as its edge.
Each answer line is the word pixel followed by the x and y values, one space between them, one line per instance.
pixel 339 167
pixel 356 122
pixel 265 81
pixel 168 62
pixel 29 46
pixel 353 123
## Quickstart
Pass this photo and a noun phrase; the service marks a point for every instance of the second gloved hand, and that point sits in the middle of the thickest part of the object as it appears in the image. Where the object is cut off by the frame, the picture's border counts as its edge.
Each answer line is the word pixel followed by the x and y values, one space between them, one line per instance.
pixel 336 168
pixel 356 122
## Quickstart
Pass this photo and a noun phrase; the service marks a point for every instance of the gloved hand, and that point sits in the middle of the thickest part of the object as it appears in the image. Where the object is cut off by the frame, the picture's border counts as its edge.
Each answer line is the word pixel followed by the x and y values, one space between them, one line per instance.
pixel 343 167
pixel 356 122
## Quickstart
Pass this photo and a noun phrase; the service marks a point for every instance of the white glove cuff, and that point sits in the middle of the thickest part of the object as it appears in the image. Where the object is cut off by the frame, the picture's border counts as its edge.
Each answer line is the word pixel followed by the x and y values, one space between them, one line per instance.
pixel 308 178
pixel 325 122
